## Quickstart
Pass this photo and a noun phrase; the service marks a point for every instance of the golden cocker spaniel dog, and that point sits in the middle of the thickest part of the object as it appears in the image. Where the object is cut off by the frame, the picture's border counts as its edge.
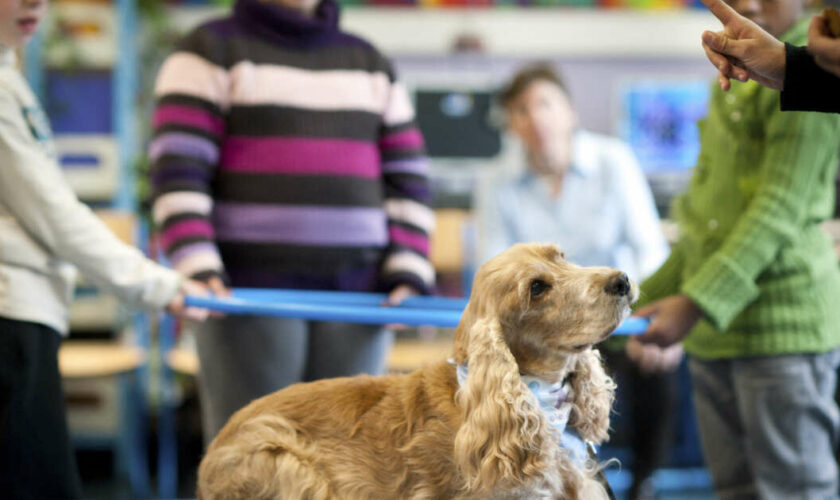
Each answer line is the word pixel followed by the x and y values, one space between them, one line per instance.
pixel 421 435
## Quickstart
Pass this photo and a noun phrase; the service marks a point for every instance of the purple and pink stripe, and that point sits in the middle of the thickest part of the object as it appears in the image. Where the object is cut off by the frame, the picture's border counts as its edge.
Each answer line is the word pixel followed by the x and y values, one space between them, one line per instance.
pixel 186 251
pixel 186 229
pixel 414 166
pixel 407 139
pixel 300 224
pixel 284 155
pixel 410 239
pixel 176 114
pixel 176 143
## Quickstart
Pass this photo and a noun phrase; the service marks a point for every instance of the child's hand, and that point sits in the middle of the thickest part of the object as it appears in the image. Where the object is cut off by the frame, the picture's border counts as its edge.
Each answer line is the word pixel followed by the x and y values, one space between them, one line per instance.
pixel 217 286
pixel 177 306
pixel 399 294
pixel 652 358
pixel 395 298
pixel 672 318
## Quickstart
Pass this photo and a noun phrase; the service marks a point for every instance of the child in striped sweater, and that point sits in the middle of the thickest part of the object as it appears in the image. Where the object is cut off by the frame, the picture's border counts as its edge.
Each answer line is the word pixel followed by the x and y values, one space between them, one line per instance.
pixel 286 156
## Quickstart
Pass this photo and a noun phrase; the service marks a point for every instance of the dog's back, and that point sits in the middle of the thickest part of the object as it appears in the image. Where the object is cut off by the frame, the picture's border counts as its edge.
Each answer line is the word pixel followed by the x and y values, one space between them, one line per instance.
pixel 357 437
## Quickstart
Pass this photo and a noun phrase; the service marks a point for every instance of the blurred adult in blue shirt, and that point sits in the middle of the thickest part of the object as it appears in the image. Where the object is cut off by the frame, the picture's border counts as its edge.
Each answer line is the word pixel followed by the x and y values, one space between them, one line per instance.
pixel 585 192
pixel 582 190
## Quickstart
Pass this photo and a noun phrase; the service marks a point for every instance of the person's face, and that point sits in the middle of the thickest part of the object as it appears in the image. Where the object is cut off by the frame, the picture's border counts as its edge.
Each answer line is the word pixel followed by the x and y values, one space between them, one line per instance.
pixel 775 16
pixel 543 119
pixel 19 19
pixel 305 7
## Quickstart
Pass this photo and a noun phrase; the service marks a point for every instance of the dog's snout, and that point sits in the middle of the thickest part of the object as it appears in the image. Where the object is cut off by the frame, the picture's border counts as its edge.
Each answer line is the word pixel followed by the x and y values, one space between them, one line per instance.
pixel 618 285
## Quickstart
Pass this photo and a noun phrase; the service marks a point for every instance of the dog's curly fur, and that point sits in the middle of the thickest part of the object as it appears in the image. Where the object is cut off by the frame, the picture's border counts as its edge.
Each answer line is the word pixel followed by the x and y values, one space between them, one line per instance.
pixel 420 436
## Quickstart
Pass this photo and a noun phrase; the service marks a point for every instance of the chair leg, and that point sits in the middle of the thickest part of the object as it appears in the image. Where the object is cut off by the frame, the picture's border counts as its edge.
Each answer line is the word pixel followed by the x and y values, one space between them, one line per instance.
pixel 167 434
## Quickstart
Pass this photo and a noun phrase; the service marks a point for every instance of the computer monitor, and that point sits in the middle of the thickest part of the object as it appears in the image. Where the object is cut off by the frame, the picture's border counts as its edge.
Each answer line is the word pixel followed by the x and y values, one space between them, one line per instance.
pixel 658 118
pixel 456 123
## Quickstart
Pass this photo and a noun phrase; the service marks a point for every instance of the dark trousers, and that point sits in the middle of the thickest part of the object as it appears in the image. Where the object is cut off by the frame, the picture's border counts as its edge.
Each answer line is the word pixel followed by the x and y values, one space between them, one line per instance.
pixel 649 419
pixel 36 460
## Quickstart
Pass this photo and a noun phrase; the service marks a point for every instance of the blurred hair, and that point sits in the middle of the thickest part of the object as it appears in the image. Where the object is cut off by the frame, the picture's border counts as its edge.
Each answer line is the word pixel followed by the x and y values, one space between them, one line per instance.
pixel 527 76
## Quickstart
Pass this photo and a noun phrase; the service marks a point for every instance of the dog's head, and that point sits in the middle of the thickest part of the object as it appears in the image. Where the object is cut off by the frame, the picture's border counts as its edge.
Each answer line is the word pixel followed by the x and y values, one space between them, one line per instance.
pixel 531 312
pixel 547 308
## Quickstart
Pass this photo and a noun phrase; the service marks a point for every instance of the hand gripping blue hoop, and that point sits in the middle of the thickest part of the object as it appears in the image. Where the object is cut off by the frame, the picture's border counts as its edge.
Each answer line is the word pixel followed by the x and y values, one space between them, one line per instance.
pixel 353 307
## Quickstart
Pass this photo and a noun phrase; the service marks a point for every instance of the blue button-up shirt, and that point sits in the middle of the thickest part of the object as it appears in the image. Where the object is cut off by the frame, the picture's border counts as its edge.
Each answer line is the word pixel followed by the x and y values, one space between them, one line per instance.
pixel 604 216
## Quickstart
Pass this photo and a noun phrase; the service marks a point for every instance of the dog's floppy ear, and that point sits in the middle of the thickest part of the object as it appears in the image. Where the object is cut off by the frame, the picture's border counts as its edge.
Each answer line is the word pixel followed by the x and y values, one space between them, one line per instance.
pixel 593 393
pixel 501 440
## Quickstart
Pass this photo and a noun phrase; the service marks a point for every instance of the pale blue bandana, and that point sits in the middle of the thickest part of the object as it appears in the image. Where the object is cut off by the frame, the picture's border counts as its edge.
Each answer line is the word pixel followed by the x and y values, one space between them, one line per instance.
pixel 555 402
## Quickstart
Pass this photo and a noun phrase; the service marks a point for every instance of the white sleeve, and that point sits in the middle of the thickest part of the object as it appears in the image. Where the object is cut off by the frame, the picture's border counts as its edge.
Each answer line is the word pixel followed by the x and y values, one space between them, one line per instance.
pixel 493 230
pixel 642 227
pixel 34 190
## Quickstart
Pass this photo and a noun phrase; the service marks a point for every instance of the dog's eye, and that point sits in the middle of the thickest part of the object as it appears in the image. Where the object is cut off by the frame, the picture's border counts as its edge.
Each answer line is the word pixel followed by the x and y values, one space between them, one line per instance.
pixel 538 287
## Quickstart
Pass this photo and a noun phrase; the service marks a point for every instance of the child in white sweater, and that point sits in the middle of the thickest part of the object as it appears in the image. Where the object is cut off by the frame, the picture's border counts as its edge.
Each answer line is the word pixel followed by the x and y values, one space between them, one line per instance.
pixel 45 234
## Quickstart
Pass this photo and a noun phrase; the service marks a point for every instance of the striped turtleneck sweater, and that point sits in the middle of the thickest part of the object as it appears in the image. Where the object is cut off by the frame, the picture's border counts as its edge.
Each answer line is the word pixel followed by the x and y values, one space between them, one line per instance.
pixel 285 155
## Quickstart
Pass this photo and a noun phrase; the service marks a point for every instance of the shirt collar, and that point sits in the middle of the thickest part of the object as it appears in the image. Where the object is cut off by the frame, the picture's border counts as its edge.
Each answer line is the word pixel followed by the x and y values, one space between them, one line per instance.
pixel 584 158
pixel 584 153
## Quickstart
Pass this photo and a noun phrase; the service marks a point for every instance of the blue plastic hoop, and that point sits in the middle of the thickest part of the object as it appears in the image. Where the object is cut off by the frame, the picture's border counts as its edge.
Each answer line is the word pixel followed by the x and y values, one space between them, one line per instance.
pixel 354 307
pixel 347 298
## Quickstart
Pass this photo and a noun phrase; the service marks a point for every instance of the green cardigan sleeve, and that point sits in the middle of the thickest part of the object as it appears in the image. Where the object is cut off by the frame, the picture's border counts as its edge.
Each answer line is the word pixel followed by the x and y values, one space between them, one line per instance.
pixel 795 157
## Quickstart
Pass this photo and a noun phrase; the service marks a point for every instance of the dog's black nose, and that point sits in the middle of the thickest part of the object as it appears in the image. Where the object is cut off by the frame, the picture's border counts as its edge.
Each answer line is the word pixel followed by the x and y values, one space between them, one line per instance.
pixel 618 285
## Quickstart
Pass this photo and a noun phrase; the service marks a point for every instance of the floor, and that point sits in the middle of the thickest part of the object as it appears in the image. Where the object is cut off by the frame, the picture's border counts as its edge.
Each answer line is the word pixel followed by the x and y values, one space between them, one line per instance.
pixel 669 484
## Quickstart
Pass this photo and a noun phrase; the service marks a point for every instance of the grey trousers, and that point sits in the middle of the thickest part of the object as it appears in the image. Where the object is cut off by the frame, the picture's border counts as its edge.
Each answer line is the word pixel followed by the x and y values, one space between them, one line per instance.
pixel 246 357
pixel 769 425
